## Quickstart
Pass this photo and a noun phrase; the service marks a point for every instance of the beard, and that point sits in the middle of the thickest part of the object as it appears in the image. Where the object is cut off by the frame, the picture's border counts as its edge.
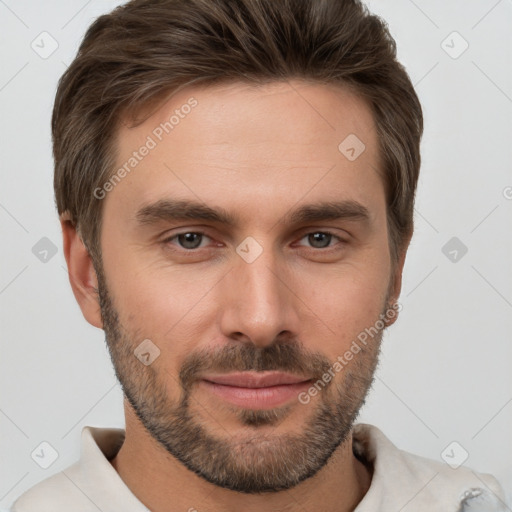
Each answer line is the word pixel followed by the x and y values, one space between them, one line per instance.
pixel 255 461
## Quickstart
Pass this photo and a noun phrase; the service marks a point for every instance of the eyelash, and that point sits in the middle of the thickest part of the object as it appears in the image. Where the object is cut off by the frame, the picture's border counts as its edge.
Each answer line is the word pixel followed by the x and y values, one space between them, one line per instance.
pixel 168 240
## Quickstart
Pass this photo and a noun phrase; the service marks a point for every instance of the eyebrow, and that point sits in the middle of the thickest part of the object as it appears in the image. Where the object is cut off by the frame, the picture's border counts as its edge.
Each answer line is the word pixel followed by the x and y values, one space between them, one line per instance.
pixel 178 210
pixel 168 210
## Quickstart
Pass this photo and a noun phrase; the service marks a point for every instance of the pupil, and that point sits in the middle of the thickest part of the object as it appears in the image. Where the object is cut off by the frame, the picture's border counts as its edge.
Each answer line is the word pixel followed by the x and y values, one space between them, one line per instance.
pixel 320 240
pixel 190 240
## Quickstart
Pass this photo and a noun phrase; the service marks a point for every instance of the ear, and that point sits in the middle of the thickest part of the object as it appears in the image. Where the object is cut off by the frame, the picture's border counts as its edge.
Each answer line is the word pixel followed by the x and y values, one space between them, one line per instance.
pixel 82 275
pixel 396 280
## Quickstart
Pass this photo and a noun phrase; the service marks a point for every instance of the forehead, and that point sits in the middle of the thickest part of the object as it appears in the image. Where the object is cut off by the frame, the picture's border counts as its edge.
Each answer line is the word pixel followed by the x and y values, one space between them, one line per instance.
pixel 235 143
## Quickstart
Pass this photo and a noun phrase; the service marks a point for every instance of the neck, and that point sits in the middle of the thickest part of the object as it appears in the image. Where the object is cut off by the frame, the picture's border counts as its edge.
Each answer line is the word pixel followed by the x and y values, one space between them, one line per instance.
pixel 163 484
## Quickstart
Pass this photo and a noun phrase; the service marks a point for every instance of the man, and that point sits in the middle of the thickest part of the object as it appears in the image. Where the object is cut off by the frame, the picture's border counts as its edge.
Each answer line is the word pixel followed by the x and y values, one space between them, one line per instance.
pixel 235 182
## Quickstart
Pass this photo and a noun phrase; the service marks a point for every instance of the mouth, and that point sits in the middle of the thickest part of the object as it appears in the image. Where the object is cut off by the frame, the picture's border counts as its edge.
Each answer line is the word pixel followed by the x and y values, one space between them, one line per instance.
pixel 256 390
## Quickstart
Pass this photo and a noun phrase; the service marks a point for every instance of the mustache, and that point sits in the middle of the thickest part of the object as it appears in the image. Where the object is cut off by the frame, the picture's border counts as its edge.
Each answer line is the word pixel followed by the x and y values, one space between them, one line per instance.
pixel 286 356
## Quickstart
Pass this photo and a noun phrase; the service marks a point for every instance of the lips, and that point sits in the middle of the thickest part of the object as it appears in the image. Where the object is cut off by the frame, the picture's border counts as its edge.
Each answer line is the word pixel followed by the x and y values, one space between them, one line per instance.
pixel 255 390
pixel 255 379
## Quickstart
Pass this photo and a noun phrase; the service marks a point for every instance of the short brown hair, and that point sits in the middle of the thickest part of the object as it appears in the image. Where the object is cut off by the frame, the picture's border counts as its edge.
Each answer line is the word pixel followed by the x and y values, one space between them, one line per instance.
pixel 146 49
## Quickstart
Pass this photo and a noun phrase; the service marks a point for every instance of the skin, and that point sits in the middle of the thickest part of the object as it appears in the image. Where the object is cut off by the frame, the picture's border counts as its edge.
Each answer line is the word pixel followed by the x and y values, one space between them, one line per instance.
pixel 258 153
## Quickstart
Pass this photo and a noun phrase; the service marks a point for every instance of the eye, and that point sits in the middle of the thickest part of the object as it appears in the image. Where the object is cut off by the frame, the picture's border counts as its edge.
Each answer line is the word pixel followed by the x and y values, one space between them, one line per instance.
pixel 190 240
pixel 320 239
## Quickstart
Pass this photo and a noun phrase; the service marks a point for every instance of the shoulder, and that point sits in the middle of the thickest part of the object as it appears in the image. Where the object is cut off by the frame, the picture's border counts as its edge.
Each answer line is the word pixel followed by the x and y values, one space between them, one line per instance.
pixel 54 494
pixel 85 485
pixel 414 483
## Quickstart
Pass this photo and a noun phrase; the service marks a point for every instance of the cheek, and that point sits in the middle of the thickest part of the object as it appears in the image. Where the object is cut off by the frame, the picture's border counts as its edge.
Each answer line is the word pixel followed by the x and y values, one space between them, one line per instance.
pixel 171 307
pixel 347 302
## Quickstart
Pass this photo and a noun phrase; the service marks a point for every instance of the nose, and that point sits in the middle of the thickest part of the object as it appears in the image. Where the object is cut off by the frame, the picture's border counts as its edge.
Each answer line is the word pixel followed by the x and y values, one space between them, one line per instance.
pixel 258 303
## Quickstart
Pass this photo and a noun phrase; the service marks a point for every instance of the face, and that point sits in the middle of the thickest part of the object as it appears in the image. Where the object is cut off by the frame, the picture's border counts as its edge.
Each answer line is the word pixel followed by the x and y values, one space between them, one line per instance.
pixel 244 243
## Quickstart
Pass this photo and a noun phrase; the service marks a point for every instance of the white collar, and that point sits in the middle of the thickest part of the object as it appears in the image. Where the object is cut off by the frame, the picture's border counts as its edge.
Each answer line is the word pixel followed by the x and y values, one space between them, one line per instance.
pixel 401 481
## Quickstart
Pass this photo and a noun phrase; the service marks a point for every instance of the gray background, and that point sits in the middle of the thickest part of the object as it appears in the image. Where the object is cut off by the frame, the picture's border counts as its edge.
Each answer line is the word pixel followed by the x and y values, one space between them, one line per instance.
pixel 445 369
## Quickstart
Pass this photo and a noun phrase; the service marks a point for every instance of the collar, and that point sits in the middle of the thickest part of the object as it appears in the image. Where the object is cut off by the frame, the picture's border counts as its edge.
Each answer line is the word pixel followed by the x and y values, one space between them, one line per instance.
pixel 401 481
pixel 410 483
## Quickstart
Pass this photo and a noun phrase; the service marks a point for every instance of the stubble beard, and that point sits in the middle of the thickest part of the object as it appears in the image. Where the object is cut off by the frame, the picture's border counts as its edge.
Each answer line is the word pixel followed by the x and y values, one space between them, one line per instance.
pixel 258 460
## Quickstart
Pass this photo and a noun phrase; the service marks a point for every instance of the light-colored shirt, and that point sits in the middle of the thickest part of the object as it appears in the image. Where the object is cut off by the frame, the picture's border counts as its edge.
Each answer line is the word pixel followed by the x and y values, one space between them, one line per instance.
pixel 401 481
